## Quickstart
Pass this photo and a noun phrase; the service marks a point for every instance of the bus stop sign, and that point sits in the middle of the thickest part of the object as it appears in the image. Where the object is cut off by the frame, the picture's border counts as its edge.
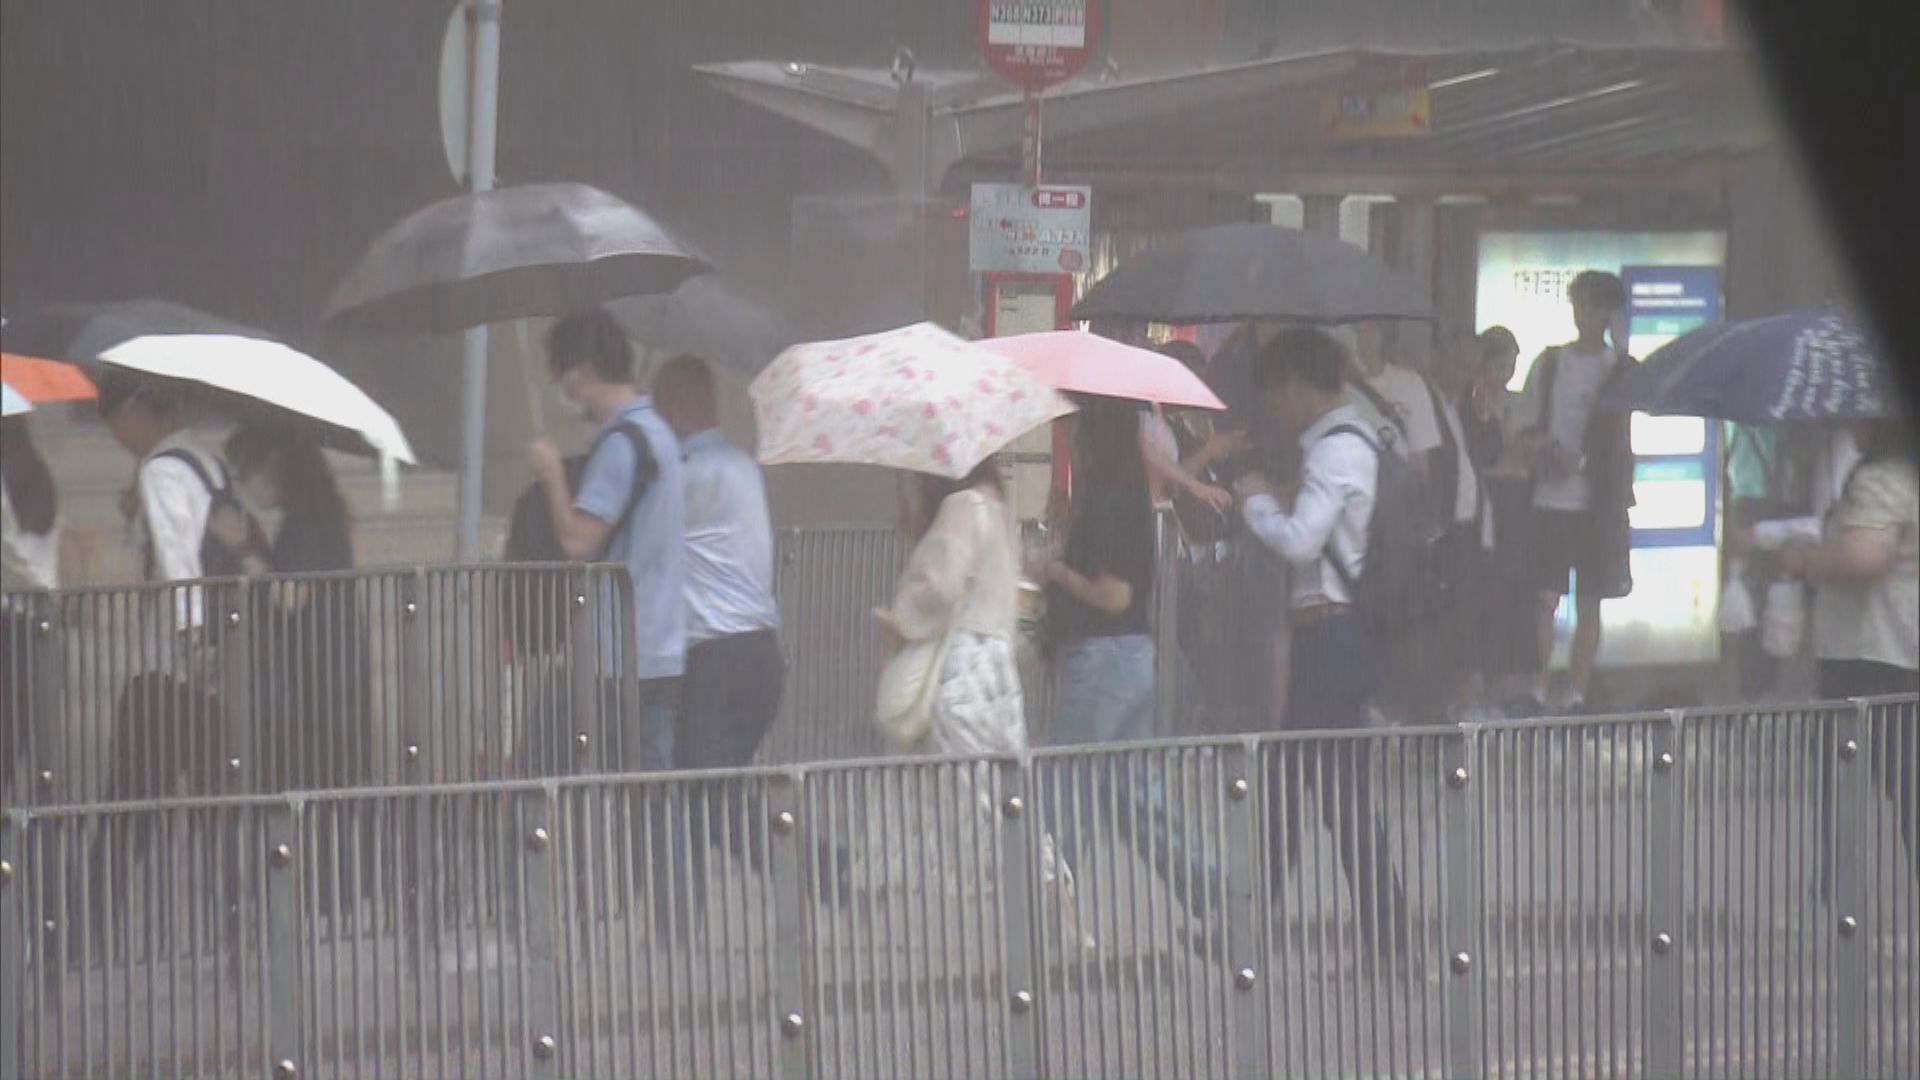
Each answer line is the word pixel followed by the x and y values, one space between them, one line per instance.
pixel 1037 43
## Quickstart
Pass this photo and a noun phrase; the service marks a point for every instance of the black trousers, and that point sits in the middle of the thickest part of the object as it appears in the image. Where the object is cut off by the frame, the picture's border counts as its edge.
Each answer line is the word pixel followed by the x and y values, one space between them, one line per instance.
pixel 1335 670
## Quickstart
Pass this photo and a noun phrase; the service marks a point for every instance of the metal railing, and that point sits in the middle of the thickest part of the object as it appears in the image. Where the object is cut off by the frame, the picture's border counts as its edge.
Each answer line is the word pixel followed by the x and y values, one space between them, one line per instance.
pixel 270 684
pixel 1725 894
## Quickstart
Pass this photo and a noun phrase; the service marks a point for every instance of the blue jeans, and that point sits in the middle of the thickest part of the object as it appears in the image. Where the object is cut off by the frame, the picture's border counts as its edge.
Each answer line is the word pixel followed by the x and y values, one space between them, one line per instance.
pixel 1107 696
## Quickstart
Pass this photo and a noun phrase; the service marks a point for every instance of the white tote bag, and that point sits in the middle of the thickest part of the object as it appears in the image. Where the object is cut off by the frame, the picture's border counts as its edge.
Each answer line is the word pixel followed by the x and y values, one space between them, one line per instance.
pixel 904 709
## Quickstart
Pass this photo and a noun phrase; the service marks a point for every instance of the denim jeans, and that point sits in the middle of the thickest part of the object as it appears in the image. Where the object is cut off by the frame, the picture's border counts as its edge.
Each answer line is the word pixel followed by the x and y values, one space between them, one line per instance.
pixel 1107 696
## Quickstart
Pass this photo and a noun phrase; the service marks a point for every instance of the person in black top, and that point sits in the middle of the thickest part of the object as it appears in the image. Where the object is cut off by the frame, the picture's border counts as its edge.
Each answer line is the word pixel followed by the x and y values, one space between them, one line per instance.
pixel 1099 597
pixel 313 675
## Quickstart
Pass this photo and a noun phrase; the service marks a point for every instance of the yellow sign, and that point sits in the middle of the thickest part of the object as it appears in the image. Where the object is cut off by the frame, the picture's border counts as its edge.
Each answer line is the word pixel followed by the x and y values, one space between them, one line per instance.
pixel 1385 114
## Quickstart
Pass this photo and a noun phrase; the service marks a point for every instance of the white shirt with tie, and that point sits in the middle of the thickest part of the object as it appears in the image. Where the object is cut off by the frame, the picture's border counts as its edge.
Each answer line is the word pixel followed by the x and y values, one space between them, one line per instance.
pixel 1338 482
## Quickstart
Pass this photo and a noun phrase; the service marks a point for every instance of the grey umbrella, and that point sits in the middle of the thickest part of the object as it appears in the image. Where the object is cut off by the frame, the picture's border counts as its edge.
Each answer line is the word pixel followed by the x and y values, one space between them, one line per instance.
pixel 80 332
pixel 510 253
pixel 706 318
pixel 1225 273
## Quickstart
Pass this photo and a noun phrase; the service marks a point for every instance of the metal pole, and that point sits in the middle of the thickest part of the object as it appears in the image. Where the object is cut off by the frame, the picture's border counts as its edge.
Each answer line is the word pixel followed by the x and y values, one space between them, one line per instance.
pixel 485 89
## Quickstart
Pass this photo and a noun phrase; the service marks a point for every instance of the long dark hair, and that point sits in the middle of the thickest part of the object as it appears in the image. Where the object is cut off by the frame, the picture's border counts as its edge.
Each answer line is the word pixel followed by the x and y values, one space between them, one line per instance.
pixel 306 482
pixel 1106 451
pixel 28 480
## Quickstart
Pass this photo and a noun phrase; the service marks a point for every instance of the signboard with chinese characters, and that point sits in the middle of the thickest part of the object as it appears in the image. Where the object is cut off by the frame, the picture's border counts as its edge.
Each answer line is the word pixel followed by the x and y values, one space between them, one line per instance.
pixel 1017 229
pixel 1037 43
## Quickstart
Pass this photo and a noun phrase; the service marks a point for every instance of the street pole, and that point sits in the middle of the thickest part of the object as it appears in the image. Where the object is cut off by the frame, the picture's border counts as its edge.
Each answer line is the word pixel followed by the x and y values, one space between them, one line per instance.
pixel 485 90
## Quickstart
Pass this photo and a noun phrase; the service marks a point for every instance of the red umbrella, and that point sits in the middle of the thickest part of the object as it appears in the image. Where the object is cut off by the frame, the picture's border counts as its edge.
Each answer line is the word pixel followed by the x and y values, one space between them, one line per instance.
pixel 1083 363
pixel 44 382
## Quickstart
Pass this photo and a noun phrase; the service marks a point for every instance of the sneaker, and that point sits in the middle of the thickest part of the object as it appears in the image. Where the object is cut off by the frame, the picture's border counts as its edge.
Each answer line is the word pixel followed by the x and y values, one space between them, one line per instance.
pixel 1526 706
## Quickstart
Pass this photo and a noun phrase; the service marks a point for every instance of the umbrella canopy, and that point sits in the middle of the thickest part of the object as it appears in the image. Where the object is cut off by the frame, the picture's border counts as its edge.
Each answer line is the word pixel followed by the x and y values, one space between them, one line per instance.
pixel 706 318
pixel 509 253
pixel 1226 273
pixel 1812 364
pixel 45 381
pixel 272 374
pixel 80 332
pixel 915 398
pixel 12 403
pixel 1086 363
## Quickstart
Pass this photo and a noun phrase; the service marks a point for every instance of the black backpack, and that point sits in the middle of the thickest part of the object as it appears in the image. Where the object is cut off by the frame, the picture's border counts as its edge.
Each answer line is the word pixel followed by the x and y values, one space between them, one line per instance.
pixel 538 619
pixel 218 557
pixel 1399 588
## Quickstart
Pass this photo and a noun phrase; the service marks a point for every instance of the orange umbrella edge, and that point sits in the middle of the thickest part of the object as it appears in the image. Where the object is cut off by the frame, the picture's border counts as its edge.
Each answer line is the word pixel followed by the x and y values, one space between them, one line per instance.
pixel 43 381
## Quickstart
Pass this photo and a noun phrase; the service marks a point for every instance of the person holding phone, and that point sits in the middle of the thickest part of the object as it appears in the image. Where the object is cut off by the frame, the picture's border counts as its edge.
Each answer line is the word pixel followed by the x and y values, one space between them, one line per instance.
pixel 1581 462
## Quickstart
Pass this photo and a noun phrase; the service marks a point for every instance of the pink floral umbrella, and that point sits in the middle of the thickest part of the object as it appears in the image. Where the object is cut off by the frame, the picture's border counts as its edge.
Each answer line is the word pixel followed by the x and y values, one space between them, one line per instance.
pixel 1090 364
pixel 915 398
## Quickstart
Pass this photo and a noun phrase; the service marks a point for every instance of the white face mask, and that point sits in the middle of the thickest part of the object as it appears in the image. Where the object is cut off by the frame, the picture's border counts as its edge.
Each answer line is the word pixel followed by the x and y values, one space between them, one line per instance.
pixel 567 404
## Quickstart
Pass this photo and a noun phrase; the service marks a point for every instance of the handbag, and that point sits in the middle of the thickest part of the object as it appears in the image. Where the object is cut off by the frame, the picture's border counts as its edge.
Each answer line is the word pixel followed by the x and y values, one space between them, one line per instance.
pixel 1783 625
pixel 904 709
pixel 1736 601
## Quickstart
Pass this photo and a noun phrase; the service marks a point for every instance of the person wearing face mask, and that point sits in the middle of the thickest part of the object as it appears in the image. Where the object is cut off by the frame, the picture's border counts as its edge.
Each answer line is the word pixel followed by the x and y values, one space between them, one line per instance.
pixel 628 506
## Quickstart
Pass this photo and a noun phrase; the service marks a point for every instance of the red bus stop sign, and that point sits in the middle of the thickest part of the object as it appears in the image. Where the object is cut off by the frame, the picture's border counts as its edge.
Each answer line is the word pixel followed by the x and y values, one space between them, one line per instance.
pixel 1037 43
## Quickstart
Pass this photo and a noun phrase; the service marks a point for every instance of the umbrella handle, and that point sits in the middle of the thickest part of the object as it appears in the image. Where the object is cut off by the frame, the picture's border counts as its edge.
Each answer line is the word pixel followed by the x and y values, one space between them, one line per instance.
pixel 528 378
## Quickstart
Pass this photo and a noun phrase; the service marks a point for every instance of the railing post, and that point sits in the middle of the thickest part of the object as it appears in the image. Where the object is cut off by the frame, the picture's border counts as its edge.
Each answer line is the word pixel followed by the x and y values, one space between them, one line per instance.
pixel 1666 1030
pixel 1166 622
pixel 588 727
pixel 790 844
pixel 1247 877
pixel 13 948
pixel 1463 921
pixel 280 858
pixel 415 703
pixel 1855 794
pixel 1019 890
pixel 236 605
pixel 46 727
pixel 538 826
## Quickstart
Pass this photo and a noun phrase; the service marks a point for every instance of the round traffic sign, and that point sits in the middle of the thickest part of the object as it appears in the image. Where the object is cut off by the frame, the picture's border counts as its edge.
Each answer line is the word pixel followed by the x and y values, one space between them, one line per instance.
pixel 1037 43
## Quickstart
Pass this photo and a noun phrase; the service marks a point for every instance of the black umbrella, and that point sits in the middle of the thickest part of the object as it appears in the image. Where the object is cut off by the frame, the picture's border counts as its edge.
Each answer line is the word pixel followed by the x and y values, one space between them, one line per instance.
pixel 79 332
pixel 510 253
pixel 706 318
pixel 1226 273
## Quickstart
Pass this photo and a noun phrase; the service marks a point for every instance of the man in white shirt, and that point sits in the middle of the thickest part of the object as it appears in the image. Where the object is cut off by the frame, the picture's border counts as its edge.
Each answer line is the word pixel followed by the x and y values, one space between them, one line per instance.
pixel 1398 396
pixel 732 687
pixel 1336 661
pixel 167 719
pixel 1583 478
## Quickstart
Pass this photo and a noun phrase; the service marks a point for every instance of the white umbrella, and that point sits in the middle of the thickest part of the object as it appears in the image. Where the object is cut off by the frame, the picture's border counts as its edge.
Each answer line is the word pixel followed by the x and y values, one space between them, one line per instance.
pixel 269 372
pixel 11 403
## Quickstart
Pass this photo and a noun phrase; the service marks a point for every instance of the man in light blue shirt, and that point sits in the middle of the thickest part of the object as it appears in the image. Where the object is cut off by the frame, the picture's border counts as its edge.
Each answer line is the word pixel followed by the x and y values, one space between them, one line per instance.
pixel 630 509
pixel 734 671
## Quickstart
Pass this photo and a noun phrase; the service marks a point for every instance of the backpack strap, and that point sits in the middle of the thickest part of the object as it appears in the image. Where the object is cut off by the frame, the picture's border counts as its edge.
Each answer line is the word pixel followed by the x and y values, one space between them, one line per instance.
pixel 1382 406
pixel 645 470
pixel 215 492
pixel 1346 576
pixel 199 468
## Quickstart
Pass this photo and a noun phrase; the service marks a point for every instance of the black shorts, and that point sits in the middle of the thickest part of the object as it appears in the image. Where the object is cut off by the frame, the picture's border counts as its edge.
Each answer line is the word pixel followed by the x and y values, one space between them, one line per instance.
pixel 1569 541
